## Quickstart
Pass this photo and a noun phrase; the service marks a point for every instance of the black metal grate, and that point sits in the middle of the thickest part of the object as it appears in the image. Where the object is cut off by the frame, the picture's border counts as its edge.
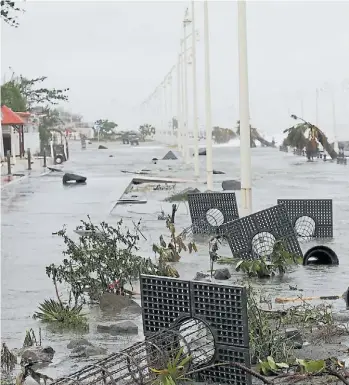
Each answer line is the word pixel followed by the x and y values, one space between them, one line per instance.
pixel 164 300
pixel 225 374
pixel 180 328
pixel 311 218
pixel 222 308
pixel 254 236
pixel 209 211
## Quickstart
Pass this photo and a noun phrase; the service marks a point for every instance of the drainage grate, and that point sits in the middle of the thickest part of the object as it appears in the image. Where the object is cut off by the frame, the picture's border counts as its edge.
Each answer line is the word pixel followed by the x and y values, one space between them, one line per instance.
pixel 254 236
pixel 223 309
pixel 311 218
pixel 209 211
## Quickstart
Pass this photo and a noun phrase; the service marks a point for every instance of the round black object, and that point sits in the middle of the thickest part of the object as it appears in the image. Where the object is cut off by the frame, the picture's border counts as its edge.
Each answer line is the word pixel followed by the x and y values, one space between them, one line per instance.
pixel 59 159
pixel 320 255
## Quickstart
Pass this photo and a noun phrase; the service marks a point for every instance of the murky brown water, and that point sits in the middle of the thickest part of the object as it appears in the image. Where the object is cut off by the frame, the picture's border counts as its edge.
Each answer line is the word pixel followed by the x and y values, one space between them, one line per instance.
pixel 38 206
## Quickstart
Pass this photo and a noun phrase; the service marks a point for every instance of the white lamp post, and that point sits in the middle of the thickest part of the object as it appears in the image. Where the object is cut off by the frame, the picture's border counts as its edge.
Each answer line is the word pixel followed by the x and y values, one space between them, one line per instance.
pixel 195 103
pixel 164 87
pixel 179 103
pixel 170 113
pixel 186 21
pixel 209 166
pixel 245 145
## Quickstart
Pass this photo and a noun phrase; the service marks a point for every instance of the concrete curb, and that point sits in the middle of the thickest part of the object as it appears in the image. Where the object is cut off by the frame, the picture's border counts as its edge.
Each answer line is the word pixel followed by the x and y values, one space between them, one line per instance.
pixel 12 182
pixel 19 179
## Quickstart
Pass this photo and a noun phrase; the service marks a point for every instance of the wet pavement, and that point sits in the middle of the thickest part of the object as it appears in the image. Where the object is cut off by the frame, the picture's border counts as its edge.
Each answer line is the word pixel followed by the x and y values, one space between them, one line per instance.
pixel 38 205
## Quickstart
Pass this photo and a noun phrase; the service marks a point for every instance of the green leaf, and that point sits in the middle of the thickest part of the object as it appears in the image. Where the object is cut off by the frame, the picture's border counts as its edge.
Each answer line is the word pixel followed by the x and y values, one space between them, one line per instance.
pixel 238 265
pixel 264 368
pixel 162 241
pixel 282 365
pixel 314 366
pixel 271 363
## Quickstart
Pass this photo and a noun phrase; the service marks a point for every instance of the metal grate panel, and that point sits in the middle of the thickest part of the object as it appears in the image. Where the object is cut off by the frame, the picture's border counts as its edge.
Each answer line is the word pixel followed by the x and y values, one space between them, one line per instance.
pixel 209 211
pixel 255 235
pixel 164 300
pixel 311 218
pixel 229 374
pixel 224 308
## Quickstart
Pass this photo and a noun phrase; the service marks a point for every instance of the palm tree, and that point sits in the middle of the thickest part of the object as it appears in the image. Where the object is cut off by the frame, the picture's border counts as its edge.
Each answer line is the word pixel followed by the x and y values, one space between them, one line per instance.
pixel 252 142
pixel 255 135
pixel 297 138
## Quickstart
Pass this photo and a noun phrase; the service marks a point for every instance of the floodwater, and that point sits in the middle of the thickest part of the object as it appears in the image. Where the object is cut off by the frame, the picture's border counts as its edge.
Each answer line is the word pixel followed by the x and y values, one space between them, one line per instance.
pixel 38 206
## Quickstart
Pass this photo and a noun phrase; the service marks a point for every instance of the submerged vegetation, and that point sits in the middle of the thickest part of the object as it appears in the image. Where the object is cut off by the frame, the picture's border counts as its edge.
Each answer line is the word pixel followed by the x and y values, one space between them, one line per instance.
pixel 104 259
pixel 277 263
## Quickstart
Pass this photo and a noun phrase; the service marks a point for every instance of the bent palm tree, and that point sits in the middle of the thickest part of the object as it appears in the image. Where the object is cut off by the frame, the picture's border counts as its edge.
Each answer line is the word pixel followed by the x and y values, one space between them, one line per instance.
pixel 297 138
pixel 255 135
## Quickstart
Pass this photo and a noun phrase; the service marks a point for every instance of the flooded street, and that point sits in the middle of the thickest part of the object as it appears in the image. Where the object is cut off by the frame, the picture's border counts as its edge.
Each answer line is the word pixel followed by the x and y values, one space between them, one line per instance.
pixel 38 206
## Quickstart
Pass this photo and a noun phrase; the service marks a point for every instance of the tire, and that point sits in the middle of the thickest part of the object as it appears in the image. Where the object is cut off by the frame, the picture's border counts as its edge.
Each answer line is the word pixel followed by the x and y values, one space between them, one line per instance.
pixel 59 159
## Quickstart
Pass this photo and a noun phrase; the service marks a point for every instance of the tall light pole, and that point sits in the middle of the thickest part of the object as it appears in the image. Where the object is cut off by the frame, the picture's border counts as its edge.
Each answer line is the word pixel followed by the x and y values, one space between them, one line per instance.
pixel 184 125
pixel 165 111
pixel 209 167
pixel 179 103
pixel 170 114
pixel 186 21
pixel 195 102
pixel 245 145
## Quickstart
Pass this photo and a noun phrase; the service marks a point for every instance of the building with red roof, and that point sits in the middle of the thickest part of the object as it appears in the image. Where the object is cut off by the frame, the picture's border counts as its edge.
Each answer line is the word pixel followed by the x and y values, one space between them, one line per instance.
pixel 11 130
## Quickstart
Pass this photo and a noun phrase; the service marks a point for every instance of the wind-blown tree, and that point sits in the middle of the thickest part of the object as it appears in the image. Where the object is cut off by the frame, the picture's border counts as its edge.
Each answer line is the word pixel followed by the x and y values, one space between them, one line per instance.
pixel 105 128
pixel 20 90
pixel 22 94
pixel 9 12
pixel 255 135
pixel 296 136
pixel 146 130
pixel 12 97
pixel 252 142
pixel 222 135
pixel 36 95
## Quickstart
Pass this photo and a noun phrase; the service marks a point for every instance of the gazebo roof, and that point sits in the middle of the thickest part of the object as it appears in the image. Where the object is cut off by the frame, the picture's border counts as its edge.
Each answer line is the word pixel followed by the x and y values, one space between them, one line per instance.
pixel 9 118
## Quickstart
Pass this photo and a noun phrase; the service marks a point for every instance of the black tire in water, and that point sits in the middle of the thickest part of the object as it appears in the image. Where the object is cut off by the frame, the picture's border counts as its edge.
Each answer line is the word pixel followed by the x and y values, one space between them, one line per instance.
pixel 320 255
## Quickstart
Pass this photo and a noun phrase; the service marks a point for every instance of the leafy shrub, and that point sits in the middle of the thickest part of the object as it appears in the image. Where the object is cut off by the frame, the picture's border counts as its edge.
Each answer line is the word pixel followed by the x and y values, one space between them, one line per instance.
pixel 278 262
pixel 52 311
pixel 170 252
pixel 102 256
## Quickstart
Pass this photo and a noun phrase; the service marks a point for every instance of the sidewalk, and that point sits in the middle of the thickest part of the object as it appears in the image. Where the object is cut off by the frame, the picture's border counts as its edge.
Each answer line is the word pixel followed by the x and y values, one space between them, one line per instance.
pixel 20 170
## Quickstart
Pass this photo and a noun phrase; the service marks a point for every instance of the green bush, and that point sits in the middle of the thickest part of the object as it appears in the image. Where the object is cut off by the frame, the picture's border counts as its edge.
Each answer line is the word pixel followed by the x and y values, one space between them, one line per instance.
pixel 52 311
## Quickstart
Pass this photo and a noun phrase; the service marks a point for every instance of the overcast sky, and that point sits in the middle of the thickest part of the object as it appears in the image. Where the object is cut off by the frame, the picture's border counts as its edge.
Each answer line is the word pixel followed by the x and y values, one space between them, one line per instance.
pixel 112 55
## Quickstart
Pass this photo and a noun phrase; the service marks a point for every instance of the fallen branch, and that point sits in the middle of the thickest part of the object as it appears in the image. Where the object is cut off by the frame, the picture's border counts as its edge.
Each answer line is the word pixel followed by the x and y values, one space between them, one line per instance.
pixel 338 375
pixel 235 364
